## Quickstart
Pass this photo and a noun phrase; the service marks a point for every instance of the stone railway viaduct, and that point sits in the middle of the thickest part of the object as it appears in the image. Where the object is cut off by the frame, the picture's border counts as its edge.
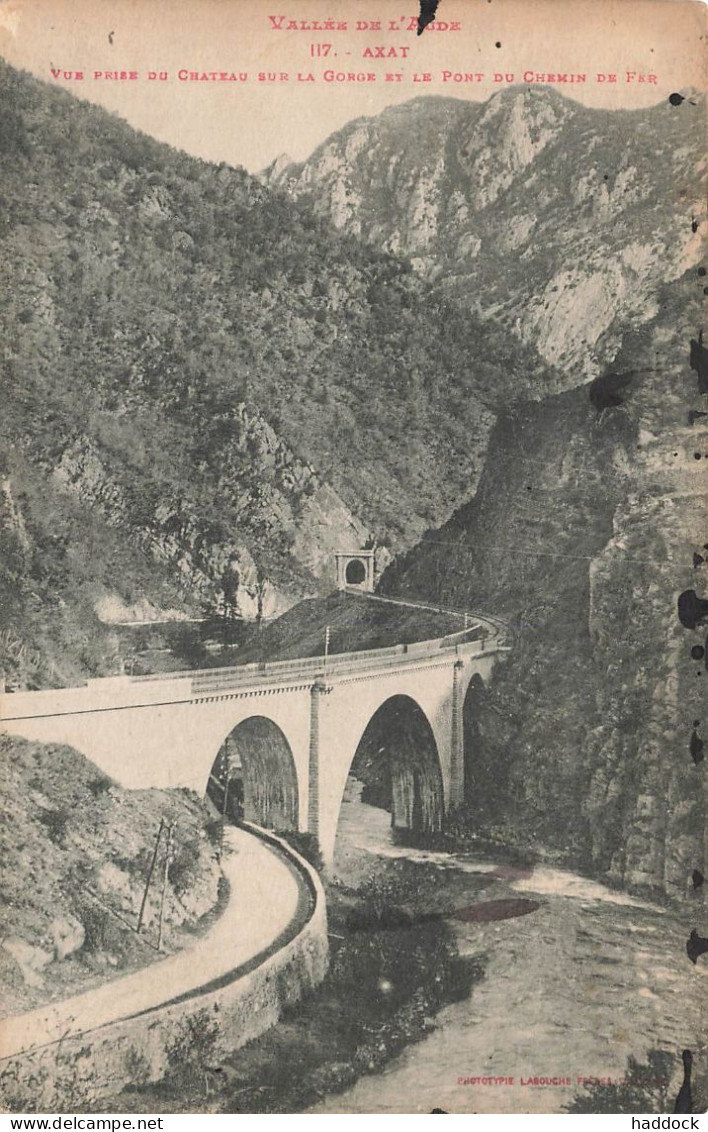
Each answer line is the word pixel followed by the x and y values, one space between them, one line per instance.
pixel 296 727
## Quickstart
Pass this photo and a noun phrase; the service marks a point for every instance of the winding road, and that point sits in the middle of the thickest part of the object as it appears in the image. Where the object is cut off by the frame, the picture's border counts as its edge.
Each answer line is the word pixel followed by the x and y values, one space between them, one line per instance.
pixel 266 894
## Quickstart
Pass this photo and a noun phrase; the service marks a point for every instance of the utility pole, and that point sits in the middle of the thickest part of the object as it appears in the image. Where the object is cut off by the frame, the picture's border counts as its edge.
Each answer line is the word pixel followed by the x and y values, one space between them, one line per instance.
pixel 149 876
pixel 326 650
pixel 168 849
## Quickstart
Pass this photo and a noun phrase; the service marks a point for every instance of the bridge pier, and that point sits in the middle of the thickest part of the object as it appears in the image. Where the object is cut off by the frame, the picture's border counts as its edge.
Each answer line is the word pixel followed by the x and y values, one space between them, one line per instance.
pixel 457 743
pixel 318 689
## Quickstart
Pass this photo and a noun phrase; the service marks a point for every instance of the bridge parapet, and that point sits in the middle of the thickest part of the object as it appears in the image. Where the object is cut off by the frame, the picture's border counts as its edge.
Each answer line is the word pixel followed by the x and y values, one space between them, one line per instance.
pixel 105 694
pixel 110 693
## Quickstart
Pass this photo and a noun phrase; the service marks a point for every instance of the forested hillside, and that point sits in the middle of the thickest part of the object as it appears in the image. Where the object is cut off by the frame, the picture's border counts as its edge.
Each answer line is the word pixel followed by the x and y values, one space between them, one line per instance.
pixel 201 365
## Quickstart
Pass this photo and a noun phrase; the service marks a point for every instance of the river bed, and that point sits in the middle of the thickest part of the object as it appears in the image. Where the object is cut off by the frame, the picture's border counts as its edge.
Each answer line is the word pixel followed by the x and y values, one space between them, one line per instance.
pixel 571 990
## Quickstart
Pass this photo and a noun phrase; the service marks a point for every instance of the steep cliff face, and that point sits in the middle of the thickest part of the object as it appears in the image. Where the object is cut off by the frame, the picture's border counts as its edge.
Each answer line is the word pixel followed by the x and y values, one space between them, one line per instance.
pixel 582 535
pixel 646 804
pixel 555 220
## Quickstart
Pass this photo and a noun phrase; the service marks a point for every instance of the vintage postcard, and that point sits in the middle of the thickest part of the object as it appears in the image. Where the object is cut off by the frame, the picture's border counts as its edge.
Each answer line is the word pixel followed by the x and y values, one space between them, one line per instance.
pixel 353 557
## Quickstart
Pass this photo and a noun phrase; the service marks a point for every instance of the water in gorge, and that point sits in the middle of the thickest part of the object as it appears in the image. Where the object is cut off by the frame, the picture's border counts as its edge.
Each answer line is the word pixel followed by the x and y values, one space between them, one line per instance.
pixel 577 979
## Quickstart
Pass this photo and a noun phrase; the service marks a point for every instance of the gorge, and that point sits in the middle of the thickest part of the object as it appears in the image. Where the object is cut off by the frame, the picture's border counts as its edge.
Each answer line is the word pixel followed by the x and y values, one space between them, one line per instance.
pixel 467 334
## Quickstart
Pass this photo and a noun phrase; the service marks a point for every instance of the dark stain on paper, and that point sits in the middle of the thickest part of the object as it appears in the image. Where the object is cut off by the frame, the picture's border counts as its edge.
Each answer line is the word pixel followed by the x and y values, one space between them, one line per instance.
pixel 684 1099
pixel 487 911
pixel 692 609
pixel 699 362
pixel 696 946
pixel 428 8
pixel 696 746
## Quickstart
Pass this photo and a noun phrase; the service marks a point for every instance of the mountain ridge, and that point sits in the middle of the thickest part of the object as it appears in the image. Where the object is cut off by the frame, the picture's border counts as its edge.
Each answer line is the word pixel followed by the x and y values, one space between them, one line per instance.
pixel 530 178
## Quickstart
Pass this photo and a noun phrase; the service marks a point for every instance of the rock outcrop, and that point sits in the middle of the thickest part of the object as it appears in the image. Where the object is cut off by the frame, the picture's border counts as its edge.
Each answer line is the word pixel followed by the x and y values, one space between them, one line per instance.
pixel 288 496
pixel 556 220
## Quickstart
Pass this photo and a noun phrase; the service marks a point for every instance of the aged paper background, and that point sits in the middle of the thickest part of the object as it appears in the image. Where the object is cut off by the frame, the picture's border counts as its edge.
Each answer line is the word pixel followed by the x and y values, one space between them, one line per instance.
pixel 657 37
pixel 237 82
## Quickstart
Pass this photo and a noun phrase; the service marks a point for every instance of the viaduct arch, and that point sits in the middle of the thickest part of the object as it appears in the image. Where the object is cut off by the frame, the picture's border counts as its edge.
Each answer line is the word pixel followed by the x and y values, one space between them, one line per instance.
pixel 254 776
pixel 399 746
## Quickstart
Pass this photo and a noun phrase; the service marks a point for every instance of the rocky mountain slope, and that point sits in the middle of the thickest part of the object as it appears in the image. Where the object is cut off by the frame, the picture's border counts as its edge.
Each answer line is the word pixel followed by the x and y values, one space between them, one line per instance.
pixel 76 851
pixel 554 220
pixel 582 535
pixel 208 370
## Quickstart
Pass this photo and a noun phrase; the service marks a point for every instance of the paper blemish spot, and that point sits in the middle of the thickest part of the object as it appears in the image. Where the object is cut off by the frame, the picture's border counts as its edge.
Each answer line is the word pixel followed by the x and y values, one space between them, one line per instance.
pixel 696 746
pixel 428 8
pixel 692 609
pixel 696 946
pixel 684 1098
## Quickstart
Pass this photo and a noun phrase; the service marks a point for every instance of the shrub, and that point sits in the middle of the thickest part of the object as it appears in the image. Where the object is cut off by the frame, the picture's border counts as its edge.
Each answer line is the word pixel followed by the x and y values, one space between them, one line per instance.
pixel 192 1047
pixel 100 784
pixel 96 921
pixel 184 866
pixel 137 1068
pixel 213 829
pixel 644 1089
pixel 56 822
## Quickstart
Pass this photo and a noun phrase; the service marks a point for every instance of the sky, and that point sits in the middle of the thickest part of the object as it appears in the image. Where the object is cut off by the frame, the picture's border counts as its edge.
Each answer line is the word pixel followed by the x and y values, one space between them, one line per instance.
pixel 250 122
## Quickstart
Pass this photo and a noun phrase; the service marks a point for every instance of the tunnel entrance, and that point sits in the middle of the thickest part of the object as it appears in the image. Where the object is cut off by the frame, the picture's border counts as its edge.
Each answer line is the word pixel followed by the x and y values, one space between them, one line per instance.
pixel 254 777
pixel 355 572
pixel 356 569
pixel 395 780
